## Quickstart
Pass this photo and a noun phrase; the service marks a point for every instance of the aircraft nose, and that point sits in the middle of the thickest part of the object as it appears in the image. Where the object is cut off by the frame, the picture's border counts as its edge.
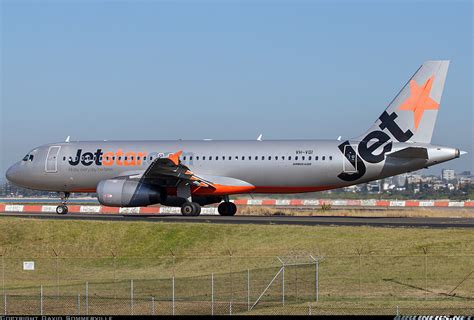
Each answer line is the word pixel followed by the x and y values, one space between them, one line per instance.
pixel 12 174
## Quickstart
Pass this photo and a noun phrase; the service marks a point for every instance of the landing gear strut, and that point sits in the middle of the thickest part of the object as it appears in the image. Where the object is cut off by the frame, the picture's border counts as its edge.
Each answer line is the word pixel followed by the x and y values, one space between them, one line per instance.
pixel 227 208
pixel 62 208
pixel 190 209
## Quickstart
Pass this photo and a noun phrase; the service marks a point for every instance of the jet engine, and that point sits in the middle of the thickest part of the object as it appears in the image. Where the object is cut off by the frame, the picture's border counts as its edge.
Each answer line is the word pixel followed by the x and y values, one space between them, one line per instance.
pixel 126 193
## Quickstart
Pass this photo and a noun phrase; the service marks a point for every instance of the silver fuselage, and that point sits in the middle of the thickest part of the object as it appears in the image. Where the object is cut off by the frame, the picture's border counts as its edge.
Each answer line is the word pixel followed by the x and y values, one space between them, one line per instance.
pixel 278 166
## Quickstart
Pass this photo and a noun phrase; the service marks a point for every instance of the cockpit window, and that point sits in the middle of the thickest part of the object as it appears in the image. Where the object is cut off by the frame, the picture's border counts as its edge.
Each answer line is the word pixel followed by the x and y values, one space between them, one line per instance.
pixel 28 157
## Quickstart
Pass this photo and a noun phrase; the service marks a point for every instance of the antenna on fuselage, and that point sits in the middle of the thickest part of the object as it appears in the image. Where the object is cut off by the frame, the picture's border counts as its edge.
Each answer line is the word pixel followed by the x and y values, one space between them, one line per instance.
pixel 67 139
pixel 259 137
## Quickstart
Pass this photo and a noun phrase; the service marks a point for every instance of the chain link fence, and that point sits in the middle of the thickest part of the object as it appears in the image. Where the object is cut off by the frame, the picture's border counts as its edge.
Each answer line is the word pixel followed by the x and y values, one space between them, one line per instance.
pixel 362 283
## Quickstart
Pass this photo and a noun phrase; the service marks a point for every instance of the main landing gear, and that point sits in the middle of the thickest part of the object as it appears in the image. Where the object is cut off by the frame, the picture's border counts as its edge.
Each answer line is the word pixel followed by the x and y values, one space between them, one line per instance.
pixel 227 208
pixel 62 208
pixel 190 209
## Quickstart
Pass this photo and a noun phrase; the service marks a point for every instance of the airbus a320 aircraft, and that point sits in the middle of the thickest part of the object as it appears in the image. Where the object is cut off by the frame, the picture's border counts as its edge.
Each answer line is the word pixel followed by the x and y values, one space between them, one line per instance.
pixel 191 174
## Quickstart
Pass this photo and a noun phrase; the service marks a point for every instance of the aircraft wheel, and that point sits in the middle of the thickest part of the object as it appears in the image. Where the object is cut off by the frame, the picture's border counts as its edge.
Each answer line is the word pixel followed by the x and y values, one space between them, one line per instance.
pixel 197 209
pixel 62 209
pixel 227 209
pixel 190 209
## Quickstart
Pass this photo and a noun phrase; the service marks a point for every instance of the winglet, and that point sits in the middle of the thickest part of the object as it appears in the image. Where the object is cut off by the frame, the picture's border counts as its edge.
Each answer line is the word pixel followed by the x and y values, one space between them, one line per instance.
pixel 67 139
pixel 259 137
pixel 175 157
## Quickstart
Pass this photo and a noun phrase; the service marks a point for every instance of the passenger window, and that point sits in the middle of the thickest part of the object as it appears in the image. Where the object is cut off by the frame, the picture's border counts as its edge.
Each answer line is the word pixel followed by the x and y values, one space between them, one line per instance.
pixel 250 158
pixel 256 157
pixel 184 158
pixel 302 158
pixel 223 158
pixel 269 157
pixel 138 158
pixel 243 158
pixel 316 158
pixel 144 158
pixel 236 158
pixel 323 158
pixel 309 158
pixel 31 157
pixel 263 158
pixel 276 157
pixel 217 158
pixel 197 157
pixel 64 158
pixel 191 158
pixel 151 158
pixel 330 157
pixel 289 157
pixel 282 157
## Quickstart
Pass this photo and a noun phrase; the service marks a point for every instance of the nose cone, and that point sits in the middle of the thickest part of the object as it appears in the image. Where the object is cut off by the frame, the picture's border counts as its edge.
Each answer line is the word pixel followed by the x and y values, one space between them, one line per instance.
pixel 13 174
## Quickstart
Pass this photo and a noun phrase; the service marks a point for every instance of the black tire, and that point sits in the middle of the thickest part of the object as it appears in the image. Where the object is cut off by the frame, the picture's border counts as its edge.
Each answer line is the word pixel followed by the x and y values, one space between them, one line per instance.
pixel 62 209
pixel 227 209
pixel 197 209
pixel 187 209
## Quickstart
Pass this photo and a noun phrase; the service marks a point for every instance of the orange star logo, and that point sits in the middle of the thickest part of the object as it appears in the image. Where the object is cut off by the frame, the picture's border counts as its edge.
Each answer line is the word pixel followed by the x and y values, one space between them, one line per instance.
pixel 419 100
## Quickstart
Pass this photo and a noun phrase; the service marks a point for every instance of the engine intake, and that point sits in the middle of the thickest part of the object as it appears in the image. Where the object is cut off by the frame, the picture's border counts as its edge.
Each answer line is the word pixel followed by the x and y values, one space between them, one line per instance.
pixel 126 193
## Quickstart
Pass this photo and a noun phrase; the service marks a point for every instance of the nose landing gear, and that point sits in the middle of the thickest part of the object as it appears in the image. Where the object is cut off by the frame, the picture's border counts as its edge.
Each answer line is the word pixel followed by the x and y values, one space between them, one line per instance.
pixel 62 208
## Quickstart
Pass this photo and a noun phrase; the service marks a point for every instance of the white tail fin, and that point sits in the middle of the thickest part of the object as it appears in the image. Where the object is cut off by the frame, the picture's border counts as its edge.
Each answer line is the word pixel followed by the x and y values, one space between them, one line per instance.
pixel 411 116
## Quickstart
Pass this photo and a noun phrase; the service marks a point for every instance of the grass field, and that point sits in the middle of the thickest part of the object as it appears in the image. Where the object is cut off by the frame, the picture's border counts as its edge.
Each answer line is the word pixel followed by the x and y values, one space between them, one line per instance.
pixel 362 267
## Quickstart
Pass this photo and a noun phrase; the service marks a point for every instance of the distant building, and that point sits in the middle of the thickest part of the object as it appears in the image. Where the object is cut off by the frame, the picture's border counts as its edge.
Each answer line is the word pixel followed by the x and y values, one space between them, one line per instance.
pixel 448 174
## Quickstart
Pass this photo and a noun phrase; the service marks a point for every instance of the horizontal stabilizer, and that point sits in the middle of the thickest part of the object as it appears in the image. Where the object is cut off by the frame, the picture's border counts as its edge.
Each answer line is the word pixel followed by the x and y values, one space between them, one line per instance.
pixel 410 153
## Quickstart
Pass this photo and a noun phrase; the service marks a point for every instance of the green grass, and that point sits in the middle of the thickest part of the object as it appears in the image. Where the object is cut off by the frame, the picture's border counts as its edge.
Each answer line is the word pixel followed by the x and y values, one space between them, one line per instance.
pixel 392 261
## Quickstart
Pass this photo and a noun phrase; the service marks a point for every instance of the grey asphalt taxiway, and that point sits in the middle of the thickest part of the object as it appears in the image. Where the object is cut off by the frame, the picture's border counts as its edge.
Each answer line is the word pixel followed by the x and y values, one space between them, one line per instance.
pixel 262 220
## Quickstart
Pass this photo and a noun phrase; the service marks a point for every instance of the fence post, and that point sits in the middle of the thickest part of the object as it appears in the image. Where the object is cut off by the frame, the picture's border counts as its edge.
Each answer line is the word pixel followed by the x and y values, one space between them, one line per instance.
pixel 153 306
pixel 41 300
pixel 248 289
pixel 174 258
pixel 173 299
pixel 5 303
pixel 212 294
pixel 425 251
pixel 131 296
pixel 398 311
pixel 282 281
pixel 310 311
pixel 359 252
pixel 79 304
pixel 87 298
pixel 316 280
pixel 231 284
pixel 56 254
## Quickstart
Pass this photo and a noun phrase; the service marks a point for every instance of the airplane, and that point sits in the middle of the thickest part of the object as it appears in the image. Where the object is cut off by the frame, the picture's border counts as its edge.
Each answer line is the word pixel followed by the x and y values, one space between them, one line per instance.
pixel 191 174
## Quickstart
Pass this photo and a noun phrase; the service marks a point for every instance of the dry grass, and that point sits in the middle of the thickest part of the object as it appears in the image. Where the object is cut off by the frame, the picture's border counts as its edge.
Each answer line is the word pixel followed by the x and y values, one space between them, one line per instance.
pixel 336 212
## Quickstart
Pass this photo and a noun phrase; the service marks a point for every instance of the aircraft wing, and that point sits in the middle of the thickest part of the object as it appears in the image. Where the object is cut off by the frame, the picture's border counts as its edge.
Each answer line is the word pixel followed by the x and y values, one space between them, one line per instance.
pixel 169 172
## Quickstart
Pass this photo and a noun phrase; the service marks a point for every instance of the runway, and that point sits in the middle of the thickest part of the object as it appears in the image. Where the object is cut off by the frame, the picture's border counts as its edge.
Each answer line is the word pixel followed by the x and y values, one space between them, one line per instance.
pixel 261 220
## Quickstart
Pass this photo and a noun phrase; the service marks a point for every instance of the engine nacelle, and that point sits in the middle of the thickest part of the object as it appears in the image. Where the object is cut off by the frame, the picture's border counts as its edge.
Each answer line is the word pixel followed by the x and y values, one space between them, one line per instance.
pixel 126 193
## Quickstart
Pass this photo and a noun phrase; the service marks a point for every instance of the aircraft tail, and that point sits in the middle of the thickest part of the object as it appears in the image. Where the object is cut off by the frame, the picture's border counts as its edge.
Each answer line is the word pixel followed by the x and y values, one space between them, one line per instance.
pixel 411 115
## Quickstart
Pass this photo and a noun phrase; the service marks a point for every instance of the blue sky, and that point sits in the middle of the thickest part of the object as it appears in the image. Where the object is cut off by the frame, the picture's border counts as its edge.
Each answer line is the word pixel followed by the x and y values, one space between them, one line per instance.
pixel 224 70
